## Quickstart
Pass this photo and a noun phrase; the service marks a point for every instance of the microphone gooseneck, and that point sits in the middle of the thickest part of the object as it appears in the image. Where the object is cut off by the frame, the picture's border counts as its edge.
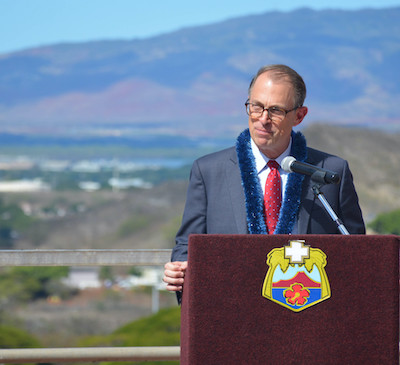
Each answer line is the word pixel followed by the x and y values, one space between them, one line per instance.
pixel 317 174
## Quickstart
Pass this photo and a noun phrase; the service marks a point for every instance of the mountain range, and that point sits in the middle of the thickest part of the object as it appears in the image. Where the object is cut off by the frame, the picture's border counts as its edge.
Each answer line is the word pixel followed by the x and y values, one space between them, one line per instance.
pixel 194 81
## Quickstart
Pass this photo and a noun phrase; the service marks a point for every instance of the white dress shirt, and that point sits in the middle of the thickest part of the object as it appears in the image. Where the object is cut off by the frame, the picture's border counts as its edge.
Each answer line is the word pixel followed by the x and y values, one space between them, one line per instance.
pixel 263 170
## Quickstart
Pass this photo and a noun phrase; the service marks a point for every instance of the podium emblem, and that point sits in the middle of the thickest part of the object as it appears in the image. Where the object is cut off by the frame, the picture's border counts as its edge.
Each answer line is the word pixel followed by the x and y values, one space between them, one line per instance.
pixel 296 278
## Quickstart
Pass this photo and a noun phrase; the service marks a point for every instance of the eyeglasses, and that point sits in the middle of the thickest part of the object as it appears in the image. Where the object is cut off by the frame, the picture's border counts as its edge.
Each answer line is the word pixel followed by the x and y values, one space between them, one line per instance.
pixel 274 113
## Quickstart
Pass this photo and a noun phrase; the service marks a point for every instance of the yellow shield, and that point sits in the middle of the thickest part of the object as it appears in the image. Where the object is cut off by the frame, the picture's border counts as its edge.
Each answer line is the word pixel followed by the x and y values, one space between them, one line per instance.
pixel 296 278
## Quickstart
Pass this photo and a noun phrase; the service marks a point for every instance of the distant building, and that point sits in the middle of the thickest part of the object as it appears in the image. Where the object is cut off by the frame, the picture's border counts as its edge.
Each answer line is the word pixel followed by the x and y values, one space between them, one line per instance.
pixel 54 165
pixel 83 278
pixel 87 166
pixel 17 164
pixel 89 185
pixel 17 186
pixel 117 183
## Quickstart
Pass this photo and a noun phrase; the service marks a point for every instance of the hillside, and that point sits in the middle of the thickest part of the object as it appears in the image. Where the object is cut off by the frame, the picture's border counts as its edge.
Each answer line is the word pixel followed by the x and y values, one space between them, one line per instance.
pixel 149 218
pixel 139 218
pixel 374 159
pixel 194 81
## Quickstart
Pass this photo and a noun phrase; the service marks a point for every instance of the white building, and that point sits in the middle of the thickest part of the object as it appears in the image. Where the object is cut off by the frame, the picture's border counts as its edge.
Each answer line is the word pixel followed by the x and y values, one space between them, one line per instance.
pixel 16 186
pixel 83 277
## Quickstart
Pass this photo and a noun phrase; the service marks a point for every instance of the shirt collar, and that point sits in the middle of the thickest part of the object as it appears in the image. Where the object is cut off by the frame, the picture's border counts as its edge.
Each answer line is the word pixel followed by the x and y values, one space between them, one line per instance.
pixel 261 160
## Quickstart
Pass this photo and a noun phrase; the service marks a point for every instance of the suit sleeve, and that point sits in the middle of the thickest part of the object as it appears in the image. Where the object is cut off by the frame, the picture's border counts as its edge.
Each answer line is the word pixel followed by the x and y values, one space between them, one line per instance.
pixel 194 215
pixel 350 211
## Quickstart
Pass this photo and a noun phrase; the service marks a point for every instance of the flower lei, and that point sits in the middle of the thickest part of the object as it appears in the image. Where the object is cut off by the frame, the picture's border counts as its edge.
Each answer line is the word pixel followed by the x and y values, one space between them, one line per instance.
pixel 253 191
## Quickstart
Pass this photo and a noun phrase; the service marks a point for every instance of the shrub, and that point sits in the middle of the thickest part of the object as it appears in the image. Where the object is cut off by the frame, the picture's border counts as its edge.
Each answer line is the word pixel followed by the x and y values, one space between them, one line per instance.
pixel 161 329
pixel 12 338
pixel 387 223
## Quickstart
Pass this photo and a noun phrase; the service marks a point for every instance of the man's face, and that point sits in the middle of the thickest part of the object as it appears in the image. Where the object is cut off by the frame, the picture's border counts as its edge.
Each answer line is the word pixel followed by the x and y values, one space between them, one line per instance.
pixel 271 136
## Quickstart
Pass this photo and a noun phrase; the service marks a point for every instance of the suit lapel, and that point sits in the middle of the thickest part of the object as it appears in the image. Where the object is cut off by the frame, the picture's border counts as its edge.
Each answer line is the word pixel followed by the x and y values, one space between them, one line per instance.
pixel 234 186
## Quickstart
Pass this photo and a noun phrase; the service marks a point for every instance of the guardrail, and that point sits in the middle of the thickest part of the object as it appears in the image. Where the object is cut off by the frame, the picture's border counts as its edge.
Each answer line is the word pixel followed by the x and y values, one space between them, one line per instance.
pixel 112 257
pixel 166 353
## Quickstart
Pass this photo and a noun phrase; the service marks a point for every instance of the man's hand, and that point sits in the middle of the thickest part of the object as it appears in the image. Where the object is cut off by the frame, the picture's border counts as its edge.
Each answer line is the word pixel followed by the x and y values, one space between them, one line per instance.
pixel 174 275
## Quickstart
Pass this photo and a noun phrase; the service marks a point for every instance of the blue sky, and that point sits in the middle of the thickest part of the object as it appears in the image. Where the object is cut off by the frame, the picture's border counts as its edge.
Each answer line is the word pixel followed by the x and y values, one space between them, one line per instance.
pixel 31 23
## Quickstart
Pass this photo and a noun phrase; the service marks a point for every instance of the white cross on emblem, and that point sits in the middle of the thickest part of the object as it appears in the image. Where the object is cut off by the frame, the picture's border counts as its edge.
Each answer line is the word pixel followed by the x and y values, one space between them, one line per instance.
pixel 297 251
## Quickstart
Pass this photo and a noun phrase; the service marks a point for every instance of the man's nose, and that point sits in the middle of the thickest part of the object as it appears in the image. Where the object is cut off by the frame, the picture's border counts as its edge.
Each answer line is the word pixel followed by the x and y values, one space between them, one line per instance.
pixel 264 118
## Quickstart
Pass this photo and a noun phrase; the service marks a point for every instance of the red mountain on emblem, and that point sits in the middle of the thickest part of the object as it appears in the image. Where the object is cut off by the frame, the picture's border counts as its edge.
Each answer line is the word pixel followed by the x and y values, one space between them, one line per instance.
pixel 300 278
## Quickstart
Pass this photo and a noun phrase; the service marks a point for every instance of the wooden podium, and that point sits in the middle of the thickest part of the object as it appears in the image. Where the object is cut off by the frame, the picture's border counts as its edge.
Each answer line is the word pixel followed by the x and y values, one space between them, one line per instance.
pixel 225 319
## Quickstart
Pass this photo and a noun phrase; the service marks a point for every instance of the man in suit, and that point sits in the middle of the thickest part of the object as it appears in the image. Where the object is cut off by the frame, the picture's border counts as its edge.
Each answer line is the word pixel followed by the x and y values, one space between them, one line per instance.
pixel 227 188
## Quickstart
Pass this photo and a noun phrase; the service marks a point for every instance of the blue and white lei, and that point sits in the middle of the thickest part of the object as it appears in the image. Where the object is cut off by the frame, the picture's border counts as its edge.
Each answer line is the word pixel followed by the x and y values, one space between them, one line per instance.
pixel 253 192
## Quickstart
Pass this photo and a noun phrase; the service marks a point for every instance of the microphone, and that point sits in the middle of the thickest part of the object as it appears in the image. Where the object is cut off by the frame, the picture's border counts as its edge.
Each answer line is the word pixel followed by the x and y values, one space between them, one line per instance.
pixel 322 176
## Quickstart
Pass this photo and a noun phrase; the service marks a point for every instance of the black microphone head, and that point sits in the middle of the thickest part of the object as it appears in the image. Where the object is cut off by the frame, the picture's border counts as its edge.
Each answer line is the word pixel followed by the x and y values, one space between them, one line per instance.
pixel 287 162
pixel 332 177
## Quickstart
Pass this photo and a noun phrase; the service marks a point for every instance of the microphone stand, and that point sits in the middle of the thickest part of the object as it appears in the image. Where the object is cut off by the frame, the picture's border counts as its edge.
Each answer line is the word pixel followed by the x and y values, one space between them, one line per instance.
pixel 328 208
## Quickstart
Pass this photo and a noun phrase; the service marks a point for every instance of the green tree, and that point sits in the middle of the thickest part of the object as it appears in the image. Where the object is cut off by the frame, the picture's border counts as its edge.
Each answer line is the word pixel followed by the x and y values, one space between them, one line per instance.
pixel 21 284
pixel 14 338
pixel 135 271
pixel 387 223
pixel 12 221
pixel 106 273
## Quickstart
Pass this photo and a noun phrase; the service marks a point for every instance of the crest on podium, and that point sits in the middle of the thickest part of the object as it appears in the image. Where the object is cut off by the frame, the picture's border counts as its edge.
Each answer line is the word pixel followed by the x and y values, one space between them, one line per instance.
pixel 296 278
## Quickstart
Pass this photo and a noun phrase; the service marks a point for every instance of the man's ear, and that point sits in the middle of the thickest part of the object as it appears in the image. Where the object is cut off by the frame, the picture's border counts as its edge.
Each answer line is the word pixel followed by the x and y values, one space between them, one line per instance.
pixel 301 112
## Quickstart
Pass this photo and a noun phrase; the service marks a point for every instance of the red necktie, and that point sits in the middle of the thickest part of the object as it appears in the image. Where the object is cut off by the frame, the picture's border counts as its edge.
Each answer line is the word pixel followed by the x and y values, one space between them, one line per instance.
pixel 272 196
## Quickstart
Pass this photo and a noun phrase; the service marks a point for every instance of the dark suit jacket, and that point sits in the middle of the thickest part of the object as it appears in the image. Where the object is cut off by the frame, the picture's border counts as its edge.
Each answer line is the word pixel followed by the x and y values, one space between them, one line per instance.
pixel 216 203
